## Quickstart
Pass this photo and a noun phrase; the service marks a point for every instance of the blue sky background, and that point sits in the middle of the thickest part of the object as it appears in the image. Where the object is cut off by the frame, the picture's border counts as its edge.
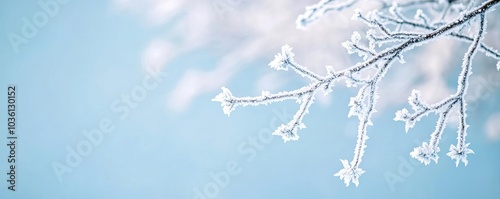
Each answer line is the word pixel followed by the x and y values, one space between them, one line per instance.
pixel 89 55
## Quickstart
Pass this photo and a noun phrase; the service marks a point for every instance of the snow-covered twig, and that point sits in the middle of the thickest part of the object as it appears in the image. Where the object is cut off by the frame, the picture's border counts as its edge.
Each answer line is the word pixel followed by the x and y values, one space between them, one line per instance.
pixel 489 51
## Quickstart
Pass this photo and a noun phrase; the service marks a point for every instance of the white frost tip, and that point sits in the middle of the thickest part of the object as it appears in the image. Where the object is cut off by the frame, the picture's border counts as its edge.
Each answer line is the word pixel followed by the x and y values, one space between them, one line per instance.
pixel 418 14
pixel 357 14
pixel 349 173
pixel 226 99
pixel 498 65
pixel 356 105
pixel 460 154
pixel 355 37
pixel 266 93
pixel 415 102
pixel 281 60
pixel 301 22
pixel 288 133
pixel 330 70
pixel 425 153
pixel 393 8
pixel 404 115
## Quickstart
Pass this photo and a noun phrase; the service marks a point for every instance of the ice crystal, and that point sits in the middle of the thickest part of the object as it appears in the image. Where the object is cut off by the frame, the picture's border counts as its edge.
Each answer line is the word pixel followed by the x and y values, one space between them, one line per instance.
pixel 283 59
pixel 349 173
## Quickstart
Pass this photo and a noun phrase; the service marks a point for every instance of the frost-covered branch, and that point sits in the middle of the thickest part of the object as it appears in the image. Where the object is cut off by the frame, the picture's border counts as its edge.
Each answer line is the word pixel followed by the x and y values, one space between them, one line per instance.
pixel 284 60
pixel 422 22
pixel 314 12
pixel 428 151
pixel 379 56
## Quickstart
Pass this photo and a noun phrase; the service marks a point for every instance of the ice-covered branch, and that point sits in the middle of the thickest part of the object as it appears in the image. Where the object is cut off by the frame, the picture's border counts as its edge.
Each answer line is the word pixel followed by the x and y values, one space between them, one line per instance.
pixel 289 131
pixel 380 60
pixel 363 106
pixel 460 151
pixel 397 19
pixel 229 102
pixel 428 151
pixel 412 42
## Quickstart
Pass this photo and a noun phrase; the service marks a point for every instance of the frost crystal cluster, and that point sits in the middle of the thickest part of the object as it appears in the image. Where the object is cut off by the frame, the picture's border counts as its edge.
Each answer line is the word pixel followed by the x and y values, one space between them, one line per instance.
pixel 394 29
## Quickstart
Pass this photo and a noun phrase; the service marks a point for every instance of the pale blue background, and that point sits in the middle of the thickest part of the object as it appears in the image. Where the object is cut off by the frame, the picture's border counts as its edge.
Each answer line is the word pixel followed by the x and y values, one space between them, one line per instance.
pixel 85 58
